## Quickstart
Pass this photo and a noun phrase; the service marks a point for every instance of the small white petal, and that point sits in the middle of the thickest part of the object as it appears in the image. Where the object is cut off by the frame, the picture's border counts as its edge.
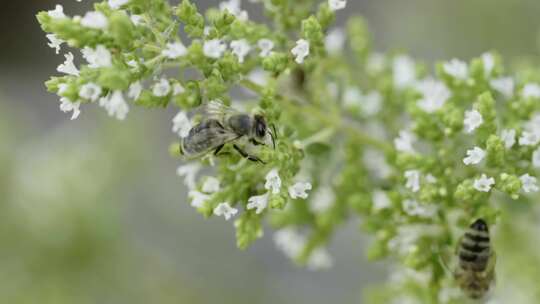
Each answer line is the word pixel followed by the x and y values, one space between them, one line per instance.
pixel 174 50
pixel 301 50
pixel 290 242
pixel 528 183
pixel 474 156
pixel 54 42
pixel 508 136
pixel 337 4
pixel 98 57
pixel 299 190
pixel 404 142
pixel 266 46
pixel 57 13
pixel 473 119
pixel 214 48
pixel 489 63
pixel 536 158
pixel 380 200
pixel 233 7
pixel 225 210
pixel 198 199
pixel 189 172
pixel 335 41
pixel 67 106
pixel 457 69
pixel 161 88
pixel 116 4
pixel 258 202
pixel 529 138
pixel 322 200
pixel 319 259
pixel 404 71
pixel 210 185
pixel 181 124
pixel 240 48
pixel 90 91
pixel 135 90
pixel 273 181
pixel 503 85
pixel 115 105
pixel 483 183
pixel 178 89
pixel 413 180
pixel 68 67
pixel 95 20
pixel 531 90
pixel 434 94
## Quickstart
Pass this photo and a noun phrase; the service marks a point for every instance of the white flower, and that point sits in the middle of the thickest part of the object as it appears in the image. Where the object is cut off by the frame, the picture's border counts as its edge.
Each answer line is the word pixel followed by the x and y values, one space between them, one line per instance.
pixel 181 124
pixel 68 67
pixel 483 183
pixel 473 119
pixel 529 138
pixel 57 13
pixel 135 90
pixel 266 46
pixel 322 200
pixel 174 50
pixel 434 94
pixel 508 136
pixel 115 105
pixel 528 183
pixel 178 89
pixel 273 181
pixel 352 97
pixel 258 202
pixel 136 19
pixel 290 242
pixel 240 48
pixel 225 210
pixel 376 163
pixel 95 20
pixel 90 91
pixel 489 63
pixel 431 179
pixel 214 48
pixel 198 199
pixel 376 63
pixel 210 185
pixel 298 190
pixel 404 71
pixel 54 42
pixel 474 156
pixel 161 88
pixel 319 259
pixel 233 6
pixel 337 4
pixel 67 105
pixel 503 85
pixel 334 41
pixel 457 69
pixel 301 50
pixel 413 180
pixel 116 4
pixel 98 57
pixel 189 172
pixel 531 90
pixel 404 142
pixel 380 200
pixel 371 103
pixel 536 158
pixel 413 208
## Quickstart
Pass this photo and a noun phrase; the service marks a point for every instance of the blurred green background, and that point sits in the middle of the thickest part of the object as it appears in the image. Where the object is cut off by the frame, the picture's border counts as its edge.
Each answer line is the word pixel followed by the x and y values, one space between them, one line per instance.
pixel 91 210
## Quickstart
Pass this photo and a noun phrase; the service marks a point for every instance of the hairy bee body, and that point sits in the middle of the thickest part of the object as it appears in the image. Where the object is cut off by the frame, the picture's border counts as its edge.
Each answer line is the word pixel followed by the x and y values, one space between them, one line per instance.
pixel 208 134
pixel 476 261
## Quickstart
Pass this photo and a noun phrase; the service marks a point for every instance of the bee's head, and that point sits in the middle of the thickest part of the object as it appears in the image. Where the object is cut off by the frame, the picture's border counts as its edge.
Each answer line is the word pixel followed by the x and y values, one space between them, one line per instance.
pixel 479 225
pixel 262 132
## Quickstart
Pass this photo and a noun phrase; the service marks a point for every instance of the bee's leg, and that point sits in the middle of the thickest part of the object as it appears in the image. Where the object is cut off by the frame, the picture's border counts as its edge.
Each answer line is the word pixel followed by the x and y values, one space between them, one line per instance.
pixel 256 143
pixel 218 149
pixel 246 155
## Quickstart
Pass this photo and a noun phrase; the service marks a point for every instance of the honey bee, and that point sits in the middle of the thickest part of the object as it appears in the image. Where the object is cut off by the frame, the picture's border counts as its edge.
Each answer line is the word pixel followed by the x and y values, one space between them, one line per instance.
pixel 221 125
pixel 475 272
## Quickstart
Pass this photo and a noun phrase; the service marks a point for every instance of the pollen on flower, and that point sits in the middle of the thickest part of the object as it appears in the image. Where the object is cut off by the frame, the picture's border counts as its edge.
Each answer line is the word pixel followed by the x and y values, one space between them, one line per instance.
pixel 162 88
pixel 174 50
pixel 198 199
pixel 210 185
pixel 181 124
pixel 240 48
pixel 266 46
pixel 457 69
pixel 337 4
pixel 115 105
pixel 214 48
pixel 528 183
pixel 68 67
pixel 300 51
pixel 483 183
pixel 334 41
pixel 273 181
pixel 404 142
pixel 225 210
pixel 434 94
pixel 54 42
pixel 258 202
pixel 299 190
pixel 474 156
pixel 90 91
pixel 473 119
pixel 508 136
pixel 97 57
pixel 503 85
pixel 96 20
pixel 413 180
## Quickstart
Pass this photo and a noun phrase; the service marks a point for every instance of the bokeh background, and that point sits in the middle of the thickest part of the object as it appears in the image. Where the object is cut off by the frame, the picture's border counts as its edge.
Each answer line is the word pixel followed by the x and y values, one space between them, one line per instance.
pixel 91 210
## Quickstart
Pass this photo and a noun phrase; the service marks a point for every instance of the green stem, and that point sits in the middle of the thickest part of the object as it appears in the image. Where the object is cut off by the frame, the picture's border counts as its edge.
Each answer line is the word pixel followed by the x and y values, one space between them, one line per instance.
pixel 335 122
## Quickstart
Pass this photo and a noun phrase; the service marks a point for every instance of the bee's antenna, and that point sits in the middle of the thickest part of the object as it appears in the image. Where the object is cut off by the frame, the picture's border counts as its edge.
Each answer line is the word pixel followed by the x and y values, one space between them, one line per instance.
pixel 273 134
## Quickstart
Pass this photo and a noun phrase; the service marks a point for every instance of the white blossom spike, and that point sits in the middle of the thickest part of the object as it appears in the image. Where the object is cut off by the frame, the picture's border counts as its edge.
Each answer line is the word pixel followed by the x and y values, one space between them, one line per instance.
pixel 319 259
pixel 536 158
pixel 488 62
pixel 380 200
pixel 135 90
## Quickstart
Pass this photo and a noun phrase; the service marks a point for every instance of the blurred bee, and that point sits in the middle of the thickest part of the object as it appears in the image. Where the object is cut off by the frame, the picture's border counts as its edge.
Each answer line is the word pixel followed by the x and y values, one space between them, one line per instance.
pixel 221 125
pixel 475 271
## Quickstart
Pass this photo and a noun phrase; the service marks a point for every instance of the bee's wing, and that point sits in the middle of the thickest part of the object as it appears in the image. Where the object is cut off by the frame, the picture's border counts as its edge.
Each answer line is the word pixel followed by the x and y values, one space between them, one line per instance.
pixel 210 135
pixel 215 110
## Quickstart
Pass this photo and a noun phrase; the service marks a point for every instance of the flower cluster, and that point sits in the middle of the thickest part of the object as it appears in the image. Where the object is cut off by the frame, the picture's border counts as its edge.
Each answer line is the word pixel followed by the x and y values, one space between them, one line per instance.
pixel 417 154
